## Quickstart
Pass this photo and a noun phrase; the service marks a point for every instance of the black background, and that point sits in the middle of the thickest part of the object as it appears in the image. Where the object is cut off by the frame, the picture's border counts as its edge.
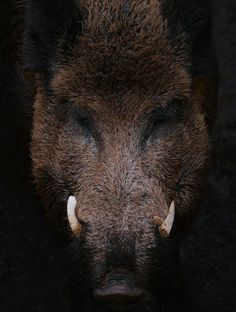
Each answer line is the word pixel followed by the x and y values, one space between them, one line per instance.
pixel 32 266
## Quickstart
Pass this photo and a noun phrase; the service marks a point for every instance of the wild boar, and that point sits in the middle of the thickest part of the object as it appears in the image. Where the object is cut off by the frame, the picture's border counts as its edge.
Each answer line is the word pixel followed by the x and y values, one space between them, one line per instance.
pixel 124 104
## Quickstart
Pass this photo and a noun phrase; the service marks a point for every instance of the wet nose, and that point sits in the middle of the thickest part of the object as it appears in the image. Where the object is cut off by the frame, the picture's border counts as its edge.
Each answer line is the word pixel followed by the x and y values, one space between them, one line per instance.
pixel 118 290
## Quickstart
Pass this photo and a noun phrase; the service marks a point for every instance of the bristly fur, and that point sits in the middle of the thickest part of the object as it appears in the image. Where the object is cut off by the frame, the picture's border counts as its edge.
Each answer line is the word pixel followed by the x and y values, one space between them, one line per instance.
pixel 185 25
pixel 125 99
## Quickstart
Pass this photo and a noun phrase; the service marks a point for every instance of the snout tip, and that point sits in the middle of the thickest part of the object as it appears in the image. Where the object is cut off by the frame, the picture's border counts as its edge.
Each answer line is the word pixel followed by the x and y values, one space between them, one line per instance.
pixel 118 294
pixel 119 291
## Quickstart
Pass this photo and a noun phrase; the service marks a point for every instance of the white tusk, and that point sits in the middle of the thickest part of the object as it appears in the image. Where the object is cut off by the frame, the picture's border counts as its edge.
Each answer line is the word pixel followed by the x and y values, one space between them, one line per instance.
pixel 167 224
pixel 73 221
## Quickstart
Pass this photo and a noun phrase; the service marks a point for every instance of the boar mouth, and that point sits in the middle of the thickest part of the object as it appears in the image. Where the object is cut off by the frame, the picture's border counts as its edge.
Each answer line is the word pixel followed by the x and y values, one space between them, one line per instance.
pixel 119 289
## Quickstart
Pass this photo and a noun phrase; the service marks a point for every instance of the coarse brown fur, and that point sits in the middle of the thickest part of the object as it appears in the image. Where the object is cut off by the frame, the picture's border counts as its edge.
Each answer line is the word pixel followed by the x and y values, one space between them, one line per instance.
pixel 122 114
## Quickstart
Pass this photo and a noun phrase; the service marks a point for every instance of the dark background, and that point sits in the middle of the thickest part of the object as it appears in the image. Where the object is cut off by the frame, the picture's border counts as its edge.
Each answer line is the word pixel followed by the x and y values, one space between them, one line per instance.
pixel 32 264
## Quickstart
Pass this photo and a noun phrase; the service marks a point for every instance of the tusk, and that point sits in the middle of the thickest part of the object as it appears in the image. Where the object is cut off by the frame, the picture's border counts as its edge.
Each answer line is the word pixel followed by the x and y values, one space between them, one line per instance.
pixel 167 224
pixel 73 221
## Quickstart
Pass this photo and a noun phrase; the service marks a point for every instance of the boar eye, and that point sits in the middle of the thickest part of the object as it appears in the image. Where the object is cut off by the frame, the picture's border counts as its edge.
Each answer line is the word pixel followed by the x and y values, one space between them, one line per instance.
pixel 164 119
pixel 84 121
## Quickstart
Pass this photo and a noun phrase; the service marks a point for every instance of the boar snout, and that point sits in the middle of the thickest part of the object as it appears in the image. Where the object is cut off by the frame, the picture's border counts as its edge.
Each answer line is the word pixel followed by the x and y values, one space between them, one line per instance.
pixel 119 289
pixel 165 226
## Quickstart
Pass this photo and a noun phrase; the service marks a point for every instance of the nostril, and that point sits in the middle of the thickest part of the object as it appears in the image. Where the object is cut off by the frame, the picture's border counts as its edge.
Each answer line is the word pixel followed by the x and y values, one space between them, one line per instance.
pixel 118 294
pixel 119 288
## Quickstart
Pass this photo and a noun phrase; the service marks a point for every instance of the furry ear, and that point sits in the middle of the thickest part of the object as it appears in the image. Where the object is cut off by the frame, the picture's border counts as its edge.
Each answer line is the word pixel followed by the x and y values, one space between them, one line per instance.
pixel 50 25
pixel 188 16
pixel 189 24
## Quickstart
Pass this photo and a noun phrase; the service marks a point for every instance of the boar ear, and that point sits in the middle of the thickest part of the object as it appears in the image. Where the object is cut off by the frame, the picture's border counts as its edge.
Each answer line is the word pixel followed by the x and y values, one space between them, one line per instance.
pixel 189 16
pixel 206 91
pixel 189 25
pixel 50 25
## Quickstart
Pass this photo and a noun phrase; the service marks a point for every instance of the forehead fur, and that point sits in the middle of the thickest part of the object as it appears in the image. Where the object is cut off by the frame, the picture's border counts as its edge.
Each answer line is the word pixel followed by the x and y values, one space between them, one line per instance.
pixel 118 32
pixel 152 44
pixel 125 43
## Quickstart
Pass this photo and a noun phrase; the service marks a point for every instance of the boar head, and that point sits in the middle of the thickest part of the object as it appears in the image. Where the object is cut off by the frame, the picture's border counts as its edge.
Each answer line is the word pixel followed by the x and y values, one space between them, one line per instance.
pixel 123 108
